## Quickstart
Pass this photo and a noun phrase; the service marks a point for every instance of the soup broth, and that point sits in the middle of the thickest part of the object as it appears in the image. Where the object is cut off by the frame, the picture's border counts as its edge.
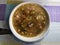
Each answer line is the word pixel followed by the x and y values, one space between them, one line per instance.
pixel 29 20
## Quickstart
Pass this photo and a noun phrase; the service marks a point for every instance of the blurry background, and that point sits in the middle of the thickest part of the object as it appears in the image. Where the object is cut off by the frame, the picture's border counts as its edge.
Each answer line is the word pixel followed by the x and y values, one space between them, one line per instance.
pixel 53 8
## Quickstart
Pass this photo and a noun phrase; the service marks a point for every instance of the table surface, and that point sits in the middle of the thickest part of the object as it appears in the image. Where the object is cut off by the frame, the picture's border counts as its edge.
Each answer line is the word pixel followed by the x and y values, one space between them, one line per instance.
pixel 53 37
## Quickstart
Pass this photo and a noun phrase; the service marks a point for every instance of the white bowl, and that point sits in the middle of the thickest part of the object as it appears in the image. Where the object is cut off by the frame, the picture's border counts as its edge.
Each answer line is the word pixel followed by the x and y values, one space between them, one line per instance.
pixel 26 39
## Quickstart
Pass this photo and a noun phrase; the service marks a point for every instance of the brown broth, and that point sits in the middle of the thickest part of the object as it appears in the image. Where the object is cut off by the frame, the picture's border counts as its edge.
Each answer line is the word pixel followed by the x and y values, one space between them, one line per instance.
pixel 29 20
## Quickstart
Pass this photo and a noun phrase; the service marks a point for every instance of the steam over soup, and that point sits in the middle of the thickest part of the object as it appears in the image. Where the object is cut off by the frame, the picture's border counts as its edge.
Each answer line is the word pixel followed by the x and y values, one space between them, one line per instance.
pixel 29 20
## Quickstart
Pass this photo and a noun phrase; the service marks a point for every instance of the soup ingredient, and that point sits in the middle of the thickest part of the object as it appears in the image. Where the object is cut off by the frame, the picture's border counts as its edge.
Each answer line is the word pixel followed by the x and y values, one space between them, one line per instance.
pixel 29 20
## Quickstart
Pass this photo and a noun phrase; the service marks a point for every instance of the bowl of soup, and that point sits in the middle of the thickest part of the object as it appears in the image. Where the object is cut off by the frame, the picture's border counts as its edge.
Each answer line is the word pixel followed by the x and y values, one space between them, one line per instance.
pixel 29 21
